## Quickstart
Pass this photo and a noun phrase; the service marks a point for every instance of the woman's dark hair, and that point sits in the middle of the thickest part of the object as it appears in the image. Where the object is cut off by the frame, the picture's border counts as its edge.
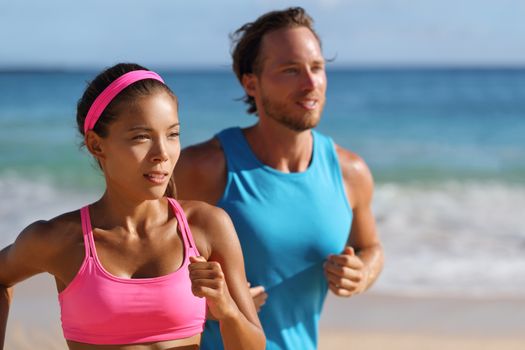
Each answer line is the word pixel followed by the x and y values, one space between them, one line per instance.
pixel 138 89
pixel 134 91
pixel 246 41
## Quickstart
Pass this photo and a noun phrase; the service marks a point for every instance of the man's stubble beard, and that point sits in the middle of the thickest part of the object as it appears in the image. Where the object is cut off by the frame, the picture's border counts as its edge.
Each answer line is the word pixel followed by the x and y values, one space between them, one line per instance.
pixel 278 112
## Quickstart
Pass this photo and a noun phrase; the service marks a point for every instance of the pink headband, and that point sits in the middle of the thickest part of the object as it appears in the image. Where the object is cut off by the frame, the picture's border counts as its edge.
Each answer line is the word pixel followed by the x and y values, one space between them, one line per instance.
pixel 109 93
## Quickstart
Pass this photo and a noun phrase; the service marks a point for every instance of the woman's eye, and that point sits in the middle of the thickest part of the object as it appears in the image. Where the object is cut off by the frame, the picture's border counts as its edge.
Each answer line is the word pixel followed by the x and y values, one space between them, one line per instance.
pixel 140 137
pixel 174 134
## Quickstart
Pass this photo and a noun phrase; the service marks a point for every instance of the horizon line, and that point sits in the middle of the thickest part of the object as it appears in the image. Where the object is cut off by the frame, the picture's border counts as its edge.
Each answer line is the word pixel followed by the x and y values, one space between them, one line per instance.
pixel 217 68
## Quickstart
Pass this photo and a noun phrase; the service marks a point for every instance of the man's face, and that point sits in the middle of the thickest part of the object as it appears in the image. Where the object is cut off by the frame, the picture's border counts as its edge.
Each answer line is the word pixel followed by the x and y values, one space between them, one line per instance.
pixel 291 84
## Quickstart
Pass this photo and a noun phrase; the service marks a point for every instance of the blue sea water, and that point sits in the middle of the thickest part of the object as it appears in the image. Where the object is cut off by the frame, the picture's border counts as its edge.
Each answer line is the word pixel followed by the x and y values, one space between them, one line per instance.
pixel 446 147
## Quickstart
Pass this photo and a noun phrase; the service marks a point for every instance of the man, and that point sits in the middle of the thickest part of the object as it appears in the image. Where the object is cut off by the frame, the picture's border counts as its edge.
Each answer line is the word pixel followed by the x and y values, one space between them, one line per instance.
pixel 301 205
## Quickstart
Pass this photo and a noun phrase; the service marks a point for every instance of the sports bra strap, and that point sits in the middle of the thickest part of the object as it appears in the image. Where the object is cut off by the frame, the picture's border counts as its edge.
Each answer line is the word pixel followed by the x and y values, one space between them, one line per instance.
pixel 87 231
pixel 183 224
pixel 89 243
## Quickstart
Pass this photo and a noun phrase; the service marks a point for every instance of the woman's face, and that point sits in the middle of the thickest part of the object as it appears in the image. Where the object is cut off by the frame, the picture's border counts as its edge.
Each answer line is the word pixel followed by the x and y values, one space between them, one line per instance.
pixel 142 147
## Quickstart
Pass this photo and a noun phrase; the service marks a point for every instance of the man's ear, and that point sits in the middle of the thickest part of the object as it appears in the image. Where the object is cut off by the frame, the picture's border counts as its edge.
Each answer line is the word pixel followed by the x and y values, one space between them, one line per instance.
pixel 249 83
pixel 94 144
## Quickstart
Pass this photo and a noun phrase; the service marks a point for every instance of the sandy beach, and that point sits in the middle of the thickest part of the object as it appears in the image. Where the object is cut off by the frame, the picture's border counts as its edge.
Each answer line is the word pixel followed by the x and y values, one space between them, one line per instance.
pixel 365 322
pixel 411 341
pixel 374 322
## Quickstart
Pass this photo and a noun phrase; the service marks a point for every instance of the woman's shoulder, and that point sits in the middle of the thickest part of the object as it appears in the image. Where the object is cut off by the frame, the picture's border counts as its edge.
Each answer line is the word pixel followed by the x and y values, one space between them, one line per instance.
pixel 209 224
pixel 43 241
pixel 203 214
pixel 53 233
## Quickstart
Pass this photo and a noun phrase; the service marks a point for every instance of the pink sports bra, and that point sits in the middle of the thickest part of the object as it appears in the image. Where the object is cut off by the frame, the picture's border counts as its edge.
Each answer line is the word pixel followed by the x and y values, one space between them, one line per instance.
pixel 99 308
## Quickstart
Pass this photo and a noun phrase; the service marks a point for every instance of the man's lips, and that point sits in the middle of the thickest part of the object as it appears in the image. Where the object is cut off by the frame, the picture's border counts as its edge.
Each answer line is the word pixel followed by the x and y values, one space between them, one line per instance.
pixel 309 104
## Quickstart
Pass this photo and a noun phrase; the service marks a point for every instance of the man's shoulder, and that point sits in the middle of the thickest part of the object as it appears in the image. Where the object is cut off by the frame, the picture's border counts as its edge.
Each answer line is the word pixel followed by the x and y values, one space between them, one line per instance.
pixel 347 157
pixel 204 151
pixel 200 172
pixel 357 177
pixel 203 157
pixel 351 163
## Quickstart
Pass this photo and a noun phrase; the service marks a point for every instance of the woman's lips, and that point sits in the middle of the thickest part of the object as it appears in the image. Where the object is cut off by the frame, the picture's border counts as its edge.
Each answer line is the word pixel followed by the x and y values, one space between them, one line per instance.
pixel 157 178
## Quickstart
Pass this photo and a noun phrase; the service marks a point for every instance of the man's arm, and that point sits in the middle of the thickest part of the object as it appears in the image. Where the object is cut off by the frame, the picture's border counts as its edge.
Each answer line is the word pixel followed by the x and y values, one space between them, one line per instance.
pixel 358 266
pixel 200 173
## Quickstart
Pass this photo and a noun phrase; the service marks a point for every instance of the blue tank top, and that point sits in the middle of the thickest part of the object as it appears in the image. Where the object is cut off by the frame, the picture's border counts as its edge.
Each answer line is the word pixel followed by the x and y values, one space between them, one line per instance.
pixel 287 223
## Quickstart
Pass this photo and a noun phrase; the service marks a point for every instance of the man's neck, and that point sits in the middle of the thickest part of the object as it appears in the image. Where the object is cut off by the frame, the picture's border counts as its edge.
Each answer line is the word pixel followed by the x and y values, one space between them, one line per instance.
pixel 279 147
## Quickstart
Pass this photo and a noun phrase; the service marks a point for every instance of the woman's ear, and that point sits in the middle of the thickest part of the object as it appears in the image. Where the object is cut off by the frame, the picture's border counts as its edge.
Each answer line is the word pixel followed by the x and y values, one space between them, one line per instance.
pixel 94 144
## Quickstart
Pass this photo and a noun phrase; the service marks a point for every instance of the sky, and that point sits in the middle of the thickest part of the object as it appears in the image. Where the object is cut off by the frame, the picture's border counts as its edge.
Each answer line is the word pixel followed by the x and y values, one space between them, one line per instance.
pixel 66 34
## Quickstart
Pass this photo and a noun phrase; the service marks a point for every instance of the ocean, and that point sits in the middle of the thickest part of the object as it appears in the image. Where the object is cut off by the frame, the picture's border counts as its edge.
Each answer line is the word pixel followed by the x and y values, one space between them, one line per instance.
pixel 446 148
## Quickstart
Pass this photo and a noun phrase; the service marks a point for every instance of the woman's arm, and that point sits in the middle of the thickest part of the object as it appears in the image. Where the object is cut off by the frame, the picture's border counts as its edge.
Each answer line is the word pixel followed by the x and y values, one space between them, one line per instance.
pixel 5 300
pixel 222 281
pixel 18 261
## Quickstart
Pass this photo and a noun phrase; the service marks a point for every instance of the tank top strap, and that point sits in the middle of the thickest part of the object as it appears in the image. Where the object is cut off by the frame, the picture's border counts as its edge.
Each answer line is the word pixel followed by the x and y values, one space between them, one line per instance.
pixel 236 150
pixel 328 163
pixel 182 222
pixel 323 150
pixel 87 232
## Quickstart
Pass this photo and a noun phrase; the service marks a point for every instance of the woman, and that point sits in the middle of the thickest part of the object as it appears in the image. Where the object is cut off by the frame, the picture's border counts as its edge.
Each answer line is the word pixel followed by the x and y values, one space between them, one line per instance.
pixel 136 269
